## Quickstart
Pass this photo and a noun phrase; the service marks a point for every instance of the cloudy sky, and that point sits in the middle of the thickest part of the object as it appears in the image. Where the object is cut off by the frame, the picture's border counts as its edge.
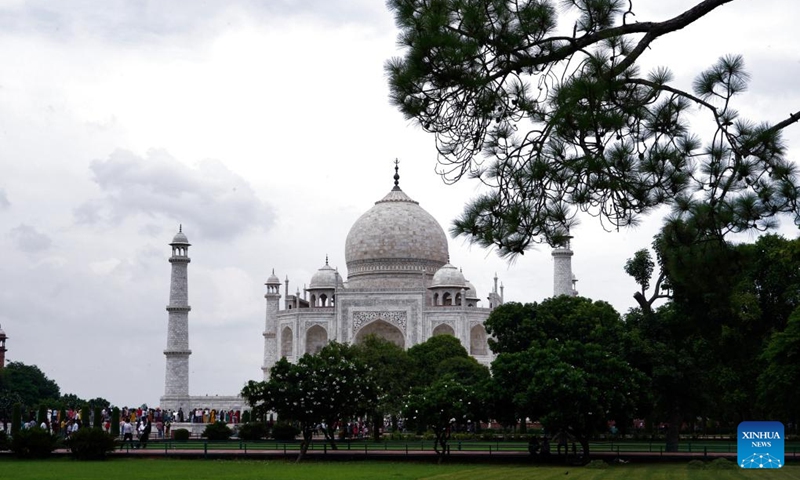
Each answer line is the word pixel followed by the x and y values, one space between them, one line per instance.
pixel 264 128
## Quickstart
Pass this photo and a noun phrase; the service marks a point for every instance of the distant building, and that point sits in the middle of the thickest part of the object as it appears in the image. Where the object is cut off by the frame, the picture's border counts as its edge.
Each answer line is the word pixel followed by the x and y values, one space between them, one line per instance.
pixel 400 286
pixel 3 348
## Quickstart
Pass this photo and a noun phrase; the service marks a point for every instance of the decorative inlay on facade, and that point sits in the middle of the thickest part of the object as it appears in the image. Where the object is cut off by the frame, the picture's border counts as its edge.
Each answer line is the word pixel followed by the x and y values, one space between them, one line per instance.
pixel 393 265
pixel 397 318
pixel 323 324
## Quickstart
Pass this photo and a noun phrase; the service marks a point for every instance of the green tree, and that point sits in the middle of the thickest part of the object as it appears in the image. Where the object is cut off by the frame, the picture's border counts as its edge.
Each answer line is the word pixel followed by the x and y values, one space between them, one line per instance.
pixel 569 371
pixel 427 356
pixel 559 124
pixel 16 418
pixel 97 418
pixel 29 383
pixel 443 406
pixel 779 383
pixel 676 359
pixel 641 268
pixel 391 369
pixel 71 401
pixel 115 422
pixel 332 386
pixel 7 401
pixel 703 349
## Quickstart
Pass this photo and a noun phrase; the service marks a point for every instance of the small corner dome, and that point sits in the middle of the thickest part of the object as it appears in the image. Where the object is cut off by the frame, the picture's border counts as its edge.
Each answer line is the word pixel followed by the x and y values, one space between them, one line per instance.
pixel 180 238
pixel 273 279
pixel 448 276
pixel 326 277
pixel 472 293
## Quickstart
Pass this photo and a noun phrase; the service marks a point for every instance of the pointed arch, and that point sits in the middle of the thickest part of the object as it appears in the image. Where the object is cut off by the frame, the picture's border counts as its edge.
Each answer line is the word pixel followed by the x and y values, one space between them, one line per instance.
pixel 447 299
pixel 287 342
pixel 444 329
pixel 316 338
pixel 477 341
pixel 384 330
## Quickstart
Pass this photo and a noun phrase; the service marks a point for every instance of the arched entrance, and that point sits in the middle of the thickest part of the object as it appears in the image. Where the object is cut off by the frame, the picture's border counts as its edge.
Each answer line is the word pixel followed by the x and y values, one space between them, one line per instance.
pixel 316 339
pixel 444 329
pixel 384 330
pixel 477 341
pixel 286 342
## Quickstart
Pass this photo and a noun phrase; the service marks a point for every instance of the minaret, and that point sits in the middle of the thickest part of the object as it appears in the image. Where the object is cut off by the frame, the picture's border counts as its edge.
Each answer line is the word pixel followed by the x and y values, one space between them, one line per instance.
pixel 562 270
pixel 273 297
pixel 176 391
pixel 3 349
pixel 495 299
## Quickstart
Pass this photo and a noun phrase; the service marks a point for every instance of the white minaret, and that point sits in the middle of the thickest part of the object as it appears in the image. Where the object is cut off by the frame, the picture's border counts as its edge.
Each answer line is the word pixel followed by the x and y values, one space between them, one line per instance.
pixel 176 390
pixel 562 270
pixel 273 297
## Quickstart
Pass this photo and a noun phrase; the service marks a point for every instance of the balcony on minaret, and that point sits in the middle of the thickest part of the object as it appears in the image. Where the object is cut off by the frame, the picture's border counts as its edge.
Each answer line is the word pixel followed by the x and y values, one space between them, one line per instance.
pixel 180 246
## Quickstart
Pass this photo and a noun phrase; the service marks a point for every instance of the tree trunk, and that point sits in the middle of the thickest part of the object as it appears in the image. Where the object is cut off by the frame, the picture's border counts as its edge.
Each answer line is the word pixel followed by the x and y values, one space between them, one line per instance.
pixel 307 436
pixel 330 436
pixel 441 440
pixel 377 424
pixel 674 431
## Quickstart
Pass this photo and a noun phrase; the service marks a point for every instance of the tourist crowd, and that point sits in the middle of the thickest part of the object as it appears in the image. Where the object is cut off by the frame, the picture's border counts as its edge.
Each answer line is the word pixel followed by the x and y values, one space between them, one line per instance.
pixel 141 420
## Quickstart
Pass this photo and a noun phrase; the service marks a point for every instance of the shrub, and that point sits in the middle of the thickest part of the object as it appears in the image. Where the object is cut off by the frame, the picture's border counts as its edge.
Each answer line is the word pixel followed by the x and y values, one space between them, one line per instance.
pixel 217 431
pixel 33 443
pixel 41 415
pixel 597 464
pixel 90 444
pixel 16 419
pixel 115 422
pixel 180 434
pixel 85 416
pixel 696 465
pixel 722 464
pixel 284 432
pixel 3 441
pixel 253 431
pixel 98 418
pixel 246 416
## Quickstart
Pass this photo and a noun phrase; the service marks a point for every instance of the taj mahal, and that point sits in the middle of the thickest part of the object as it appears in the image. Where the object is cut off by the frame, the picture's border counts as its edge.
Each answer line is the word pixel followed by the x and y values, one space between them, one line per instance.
pixel 399 285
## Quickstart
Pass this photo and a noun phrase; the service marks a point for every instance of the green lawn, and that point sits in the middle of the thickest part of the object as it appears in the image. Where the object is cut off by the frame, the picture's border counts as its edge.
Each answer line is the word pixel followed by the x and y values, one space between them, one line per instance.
pixel 145 469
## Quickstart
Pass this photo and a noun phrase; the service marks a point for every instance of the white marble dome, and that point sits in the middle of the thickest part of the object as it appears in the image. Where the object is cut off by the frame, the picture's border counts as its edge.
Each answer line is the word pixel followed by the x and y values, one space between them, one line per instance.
pixel 326 277
pixel 449 276
pixel 273 279
pixel 180 238
pixel 472 293
pixel 393 243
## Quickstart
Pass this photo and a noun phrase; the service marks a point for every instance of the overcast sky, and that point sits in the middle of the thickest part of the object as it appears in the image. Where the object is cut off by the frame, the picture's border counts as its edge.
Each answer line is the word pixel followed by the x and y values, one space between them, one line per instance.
pixel 264 128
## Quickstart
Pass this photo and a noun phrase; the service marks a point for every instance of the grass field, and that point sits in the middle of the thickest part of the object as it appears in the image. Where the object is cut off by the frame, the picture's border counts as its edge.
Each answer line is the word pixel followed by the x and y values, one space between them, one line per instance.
pixel 146 469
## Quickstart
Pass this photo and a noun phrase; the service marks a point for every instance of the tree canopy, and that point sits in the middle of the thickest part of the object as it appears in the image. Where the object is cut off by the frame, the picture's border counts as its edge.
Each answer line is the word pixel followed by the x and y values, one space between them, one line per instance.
pixel 28 384
pixel 331 386
pixel 563 362
pixel 550 109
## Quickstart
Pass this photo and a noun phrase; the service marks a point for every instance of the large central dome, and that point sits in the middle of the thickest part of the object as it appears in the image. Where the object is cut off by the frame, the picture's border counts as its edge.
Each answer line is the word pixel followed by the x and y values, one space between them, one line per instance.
pixel 393 243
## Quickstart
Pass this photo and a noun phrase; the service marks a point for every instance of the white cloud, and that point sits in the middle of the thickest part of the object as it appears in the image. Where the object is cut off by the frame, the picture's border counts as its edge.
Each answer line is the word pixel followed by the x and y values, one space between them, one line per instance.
pixel 4 203
pixel 29 240
pixel 209 197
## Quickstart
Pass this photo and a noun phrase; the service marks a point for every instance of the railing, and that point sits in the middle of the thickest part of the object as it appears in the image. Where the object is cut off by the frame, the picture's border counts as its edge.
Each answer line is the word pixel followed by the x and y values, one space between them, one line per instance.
pixel 366 447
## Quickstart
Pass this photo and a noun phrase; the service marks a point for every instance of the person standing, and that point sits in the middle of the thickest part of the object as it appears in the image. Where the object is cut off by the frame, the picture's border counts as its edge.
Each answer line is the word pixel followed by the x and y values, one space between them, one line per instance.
pixel 145 433
pixel 127 432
